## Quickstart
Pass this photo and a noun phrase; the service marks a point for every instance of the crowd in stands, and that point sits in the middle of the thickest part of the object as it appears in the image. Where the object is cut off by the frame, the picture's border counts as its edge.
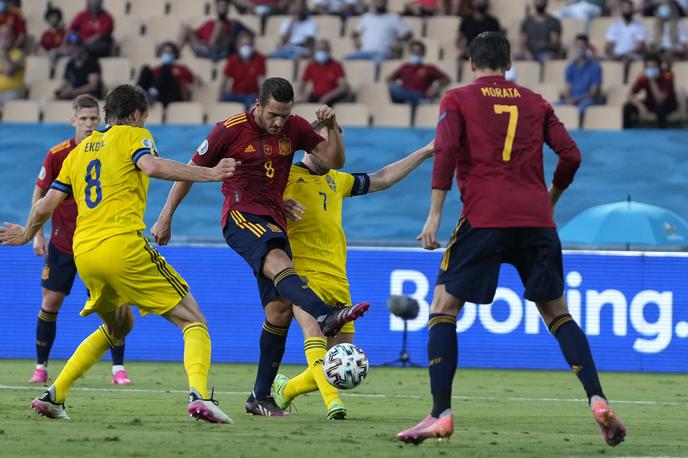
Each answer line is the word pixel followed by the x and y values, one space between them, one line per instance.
pixel 382 54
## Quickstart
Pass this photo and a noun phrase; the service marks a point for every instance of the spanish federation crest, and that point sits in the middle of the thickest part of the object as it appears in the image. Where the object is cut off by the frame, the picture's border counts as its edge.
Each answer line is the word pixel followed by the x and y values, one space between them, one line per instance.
pixel 331 183
pixel 285 146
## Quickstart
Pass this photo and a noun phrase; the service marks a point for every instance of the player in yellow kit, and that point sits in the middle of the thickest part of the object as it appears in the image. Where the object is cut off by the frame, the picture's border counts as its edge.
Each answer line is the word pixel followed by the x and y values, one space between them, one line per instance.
pixel 313 202
pixel 108 175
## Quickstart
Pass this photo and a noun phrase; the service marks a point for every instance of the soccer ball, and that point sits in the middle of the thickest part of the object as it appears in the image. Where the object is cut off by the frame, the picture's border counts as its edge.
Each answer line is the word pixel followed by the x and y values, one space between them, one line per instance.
pixel 345 366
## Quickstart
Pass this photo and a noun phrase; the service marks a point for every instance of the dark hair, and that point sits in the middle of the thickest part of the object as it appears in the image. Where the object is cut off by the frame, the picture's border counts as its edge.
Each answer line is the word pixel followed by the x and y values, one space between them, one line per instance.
pixel 417 43
pixel 276 88
pixel 52 10
pixel 653 57
pixel 123 101
pixel 583 37
pixel 85 101
pixel 171 44
pixel 490 50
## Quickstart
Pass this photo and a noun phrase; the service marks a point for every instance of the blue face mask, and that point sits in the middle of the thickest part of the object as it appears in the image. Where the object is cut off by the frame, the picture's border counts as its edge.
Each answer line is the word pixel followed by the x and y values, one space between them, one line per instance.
pixel 415 59
pixel 652 72
pixel 3 7
pixel 321 57
pixel 167 58
pixel 664 11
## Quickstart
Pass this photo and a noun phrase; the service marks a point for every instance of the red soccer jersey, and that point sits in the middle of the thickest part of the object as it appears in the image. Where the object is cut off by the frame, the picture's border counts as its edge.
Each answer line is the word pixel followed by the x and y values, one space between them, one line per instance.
pixel 418 77
pixel 13 19
pixel 259 182
pixel 86 25
pixel 52 39
pixel 323 77
pixel 245 73
pixel 184 76
pixel 492 132
pixel 63 222
pixel 665 83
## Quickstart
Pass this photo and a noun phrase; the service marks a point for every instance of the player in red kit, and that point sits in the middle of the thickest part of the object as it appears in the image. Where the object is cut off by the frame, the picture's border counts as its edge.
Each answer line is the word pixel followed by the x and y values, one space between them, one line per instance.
pixel 60 270
pixel 491 133
pixel 264 140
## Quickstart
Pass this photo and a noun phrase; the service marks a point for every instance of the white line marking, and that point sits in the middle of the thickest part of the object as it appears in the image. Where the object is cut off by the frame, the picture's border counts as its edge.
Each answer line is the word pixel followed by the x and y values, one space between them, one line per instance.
pixel 354 395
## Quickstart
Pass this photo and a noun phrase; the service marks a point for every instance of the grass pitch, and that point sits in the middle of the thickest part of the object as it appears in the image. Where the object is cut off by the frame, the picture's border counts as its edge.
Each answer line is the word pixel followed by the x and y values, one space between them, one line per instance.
pixel 497 413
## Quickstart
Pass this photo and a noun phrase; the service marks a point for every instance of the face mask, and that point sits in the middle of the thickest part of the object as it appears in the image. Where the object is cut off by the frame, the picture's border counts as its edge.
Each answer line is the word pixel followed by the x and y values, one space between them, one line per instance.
pixel 321 57
pixel 652 72
pixel 415 59
pixel 245 51
pixel 3 7
pixel 167 58
pixel 664 11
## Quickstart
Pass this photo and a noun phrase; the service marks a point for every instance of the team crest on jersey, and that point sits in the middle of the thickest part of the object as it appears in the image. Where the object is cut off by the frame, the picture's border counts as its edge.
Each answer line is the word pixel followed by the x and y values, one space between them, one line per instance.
pixel 331 183
pixel 46 273
pixel 274 228
pixel 285 146
pixel 267 150
pixel 250 149
pixel 41 174
pixel 203 148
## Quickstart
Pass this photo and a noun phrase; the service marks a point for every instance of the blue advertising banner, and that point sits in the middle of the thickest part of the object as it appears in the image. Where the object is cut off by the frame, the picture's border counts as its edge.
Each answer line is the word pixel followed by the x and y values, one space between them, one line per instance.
pixel 633 307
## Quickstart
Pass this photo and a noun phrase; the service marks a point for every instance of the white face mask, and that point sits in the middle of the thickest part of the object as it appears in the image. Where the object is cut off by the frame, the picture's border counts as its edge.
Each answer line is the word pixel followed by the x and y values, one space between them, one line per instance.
pixel 321 57
pixel 246 51
pixel 652 72
pixel 415 59
pixel 664 11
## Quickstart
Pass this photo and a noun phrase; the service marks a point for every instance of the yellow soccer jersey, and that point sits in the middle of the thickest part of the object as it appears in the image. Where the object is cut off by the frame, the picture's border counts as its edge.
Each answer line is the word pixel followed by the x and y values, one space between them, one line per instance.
pixel 317 241
pixel 110 191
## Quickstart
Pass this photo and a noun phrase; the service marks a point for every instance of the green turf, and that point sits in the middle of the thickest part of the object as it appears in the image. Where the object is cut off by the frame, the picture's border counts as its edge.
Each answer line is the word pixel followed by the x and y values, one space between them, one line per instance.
pixel 504 413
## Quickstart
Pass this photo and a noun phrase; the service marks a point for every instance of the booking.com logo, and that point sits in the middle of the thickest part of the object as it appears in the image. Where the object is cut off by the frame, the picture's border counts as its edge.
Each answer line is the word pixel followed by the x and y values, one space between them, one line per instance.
pixel 585 305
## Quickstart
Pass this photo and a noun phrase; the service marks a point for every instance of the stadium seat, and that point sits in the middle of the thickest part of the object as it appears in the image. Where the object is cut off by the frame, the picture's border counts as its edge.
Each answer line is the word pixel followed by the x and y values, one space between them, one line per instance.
pixel 115 70
pixel 155 114
pixel 390 66
pixel 265 45
pixel 43 89
pixel 186 8
pixel 527 73
pixel 570 27
pixel 184 113
pixel 554 72
pixel 350 25
pixel 280 68
pixel 603 117
pixel 329 27
pixel 137 48
pixel 70 8
pixel 148 8
pixel 617 95
pixel 509 9
pixel 550 92
pixel 131 27
pixel 598 32
pixel 117 8
pixel 251 21
pixel 680 70
pixel 342 47
pixel 396 6
pixel 195 21
pixel 272 25
pixel 392 115
pixel 58 111
pixel 373 95
pixel 612 73
pixel 207 92
pixel 415 24
pixel 427 115
pixel 59 68
pixel 450 67
pixel 568 115
pixel 444 29
pixel 359 72
pixel 163 28
pixel 202 68
pixel 34 8
pixel 20 111
pixel 353 114
pixel 219 111
pixel 37 69
pixel 306 110
pixel 635 68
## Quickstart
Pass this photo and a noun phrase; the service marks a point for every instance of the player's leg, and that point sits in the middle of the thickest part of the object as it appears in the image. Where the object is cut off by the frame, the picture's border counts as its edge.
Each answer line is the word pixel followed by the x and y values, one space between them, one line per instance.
pixel 539 262
pixel 46 329
pixel 119 373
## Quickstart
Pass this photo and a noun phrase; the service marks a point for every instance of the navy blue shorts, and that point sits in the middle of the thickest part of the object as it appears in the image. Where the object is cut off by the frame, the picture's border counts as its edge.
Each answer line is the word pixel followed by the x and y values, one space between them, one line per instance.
pixel 470 265
pixel 252 237
pixel 59 271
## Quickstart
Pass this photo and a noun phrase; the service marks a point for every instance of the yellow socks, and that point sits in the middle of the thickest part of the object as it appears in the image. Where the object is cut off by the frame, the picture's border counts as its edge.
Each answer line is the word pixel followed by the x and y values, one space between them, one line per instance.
pixel 313 377
pixel 86 355
pixel 197 357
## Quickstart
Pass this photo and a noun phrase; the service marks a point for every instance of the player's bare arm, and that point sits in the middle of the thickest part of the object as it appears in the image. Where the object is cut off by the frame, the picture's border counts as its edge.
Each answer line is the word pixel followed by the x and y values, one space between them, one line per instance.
pixel 40 245
pixel 14 234
pixel 393 173
pixel 554 195
pixel 166 169
pixel 428 235
pixel 330 153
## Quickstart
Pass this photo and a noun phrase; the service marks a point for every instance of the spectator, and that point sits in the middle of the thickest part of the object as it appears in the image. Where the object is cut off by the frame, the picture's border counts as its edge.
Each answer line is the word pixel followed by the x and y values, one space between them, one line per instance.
pixel 626 37
pixel 169 81
pixel 12 18
pixel 82 75
pixel 326 77
pixel 669 37
pixel 11 67
pixel 216 38
pixel 475 24
pixel 246 70
pixel 416 82
pixel 583 10
pixel 659 95
pixel 583 77
pixel 53 38
pixel 540 35
pixel 343 8
pixel 297 34
pixel 94 27
pixel 422 8
pixel 261 8
pixel 379 34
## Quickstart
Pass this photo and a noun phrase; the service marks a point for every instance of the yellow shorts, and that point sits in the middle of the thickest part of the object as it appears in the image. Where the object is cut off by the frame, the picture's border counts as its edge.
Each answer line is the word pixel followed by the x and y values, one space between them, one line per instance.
pixel 127 270
pixel 333 292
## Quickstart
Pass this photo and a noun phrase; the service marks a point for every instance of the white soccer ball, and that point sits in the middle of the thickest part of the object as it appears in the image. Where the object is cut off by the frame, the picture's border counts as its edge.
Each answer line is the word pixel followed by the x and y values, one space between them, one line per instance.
pixel 345 366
